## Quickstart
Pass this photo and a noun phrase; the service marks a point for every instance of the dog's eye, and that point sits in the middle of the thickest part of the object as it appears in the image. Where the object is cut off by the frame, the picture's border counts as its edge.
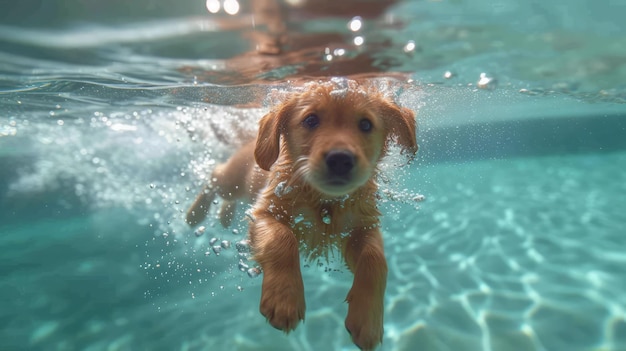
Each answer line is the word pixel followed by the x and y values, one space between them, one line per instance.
pixel 311 121
pixel 365 125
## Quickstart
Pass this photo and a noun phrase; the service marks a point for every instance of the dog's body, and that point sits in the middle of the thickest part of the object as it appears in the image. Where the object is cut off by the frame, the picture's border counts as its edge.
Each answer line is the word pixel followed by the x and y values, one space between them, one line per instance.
pixel 310 173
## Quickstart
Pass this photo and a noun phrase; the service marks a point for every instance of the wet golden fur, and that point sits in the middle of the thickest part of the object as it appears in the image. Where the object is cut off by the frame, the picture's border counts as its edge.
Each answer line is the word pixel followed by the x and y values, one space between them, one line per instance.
pixel 297 208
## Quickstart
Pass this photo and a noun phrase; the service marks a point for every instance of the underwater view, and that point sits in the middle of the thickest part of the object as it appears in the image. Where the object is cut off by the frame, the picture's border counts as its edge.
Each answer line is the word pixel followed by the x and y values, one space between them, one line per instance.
pixel 505 233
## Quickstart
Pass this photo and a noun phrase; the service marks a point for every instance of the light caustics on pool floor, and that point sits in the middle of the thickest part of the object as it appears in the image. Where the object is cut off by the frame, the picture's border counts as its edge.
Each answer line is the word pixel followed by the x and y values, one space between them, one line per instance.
pixel 523 255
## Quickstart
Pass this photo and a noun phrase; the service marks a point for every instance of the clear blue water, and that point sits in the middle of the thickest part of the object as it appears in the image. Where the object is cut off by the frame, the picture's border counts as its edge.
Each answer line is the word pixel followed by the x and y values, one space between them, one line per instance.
pixel 112 113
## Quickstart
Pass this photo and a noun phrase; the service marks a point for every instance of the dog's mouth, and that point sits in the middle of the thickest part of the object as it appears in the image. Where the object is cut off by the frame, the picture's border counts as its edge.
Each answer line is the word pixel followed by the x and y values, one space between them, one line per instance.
pixel 337 182
pixel 335 190
pixel 334 186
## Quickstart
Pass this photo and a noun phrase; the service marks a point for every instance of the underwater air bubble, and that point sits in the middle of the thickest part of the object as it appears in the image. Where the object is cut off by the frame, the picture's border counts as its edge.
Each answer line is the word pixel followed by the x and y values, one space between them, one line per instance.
pixel 254 272
pixel 225 244
pixel 243 246
pixel 418 198
pixel 217 249
pixel 243 266
pixel 198 232
pixel 409 47
pixel 326 216
pixel 299 218
pixel 282 189
pixel 249 215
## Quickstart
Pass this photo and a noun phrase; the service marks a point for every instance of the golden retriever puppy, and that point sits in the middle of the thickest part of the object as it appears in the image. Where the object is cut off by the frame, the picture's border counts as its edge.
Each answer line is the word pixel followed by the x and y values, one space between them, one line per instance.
pixel 311 174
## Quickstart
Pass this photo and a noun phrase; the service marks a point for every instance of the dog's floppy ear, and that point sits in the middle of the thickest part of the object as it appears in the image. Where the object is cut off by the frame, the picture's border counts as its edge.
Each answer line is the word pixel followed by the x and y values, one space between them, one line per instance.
pixel 268 140
pixel 400 122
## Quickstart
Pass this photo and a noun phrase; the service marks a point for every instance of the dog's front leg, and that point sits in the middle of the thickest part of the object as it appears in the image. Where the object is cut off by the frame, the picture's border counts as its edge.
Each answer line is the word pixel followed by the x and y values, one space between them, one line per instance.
pixel 365 257
pixel 276 249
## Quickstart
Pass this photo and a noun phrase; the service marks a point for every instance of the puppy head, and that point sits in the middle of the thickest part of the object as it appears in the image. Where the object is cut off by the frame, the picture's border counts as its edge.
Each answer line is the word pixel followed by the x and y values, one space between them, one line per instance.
pixel 334 135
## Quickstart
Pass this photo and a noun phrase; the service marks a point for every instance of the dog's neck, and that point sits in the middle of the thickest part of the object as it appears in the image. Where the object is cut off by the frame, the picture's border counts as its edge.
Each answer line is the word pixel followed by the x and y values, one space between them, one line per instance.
pixel 328 200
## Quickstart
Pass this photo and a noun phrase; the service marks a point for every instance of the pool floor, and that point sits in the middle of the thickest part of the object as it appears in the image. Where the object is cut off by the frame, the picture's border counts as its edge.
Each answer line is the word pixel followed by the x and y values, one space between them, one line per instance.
pixel 519 254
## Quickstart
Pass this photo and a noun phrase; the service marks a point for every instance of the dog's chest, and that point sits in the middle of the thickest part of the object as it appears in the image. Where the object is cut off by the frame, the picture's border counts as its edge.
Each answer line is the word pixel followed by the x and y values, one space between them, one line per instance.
pixel 321 228
pixel 321 220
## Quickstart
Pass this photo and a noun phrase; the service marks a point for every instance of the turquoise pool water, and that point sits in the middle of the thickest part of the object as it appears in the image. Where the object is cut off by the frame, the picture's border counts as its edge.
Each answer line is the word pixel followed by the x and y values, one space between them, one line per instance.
pixel 111 115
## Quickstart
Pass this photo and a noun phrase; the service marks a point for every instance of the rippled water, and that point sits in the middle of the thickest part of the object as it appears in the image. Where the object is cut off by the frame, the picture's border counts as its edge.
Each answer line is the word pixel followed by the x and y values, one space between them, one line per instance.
pixel 112 114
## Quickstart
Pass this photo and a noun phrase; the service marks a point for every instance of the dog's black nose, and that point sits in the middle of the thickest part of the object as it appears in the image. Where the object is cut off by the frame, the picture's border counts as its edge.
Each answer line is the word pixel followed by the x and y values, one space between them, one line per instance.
pixel 339 162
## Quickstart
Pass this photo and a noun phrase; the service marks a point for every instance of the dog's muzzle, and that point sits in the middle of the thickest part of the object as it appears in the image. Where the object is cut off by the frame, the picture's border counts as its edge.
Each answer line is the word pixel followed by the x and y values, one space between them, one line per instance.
pixel 339 164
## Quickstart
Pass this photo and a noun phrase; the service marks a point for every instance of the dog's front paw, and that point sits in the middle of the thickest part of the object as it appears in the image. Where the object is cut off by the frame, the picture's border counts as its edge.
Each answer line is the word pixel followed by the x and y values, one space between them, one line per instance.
pixel 365 321
pixel 282 302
